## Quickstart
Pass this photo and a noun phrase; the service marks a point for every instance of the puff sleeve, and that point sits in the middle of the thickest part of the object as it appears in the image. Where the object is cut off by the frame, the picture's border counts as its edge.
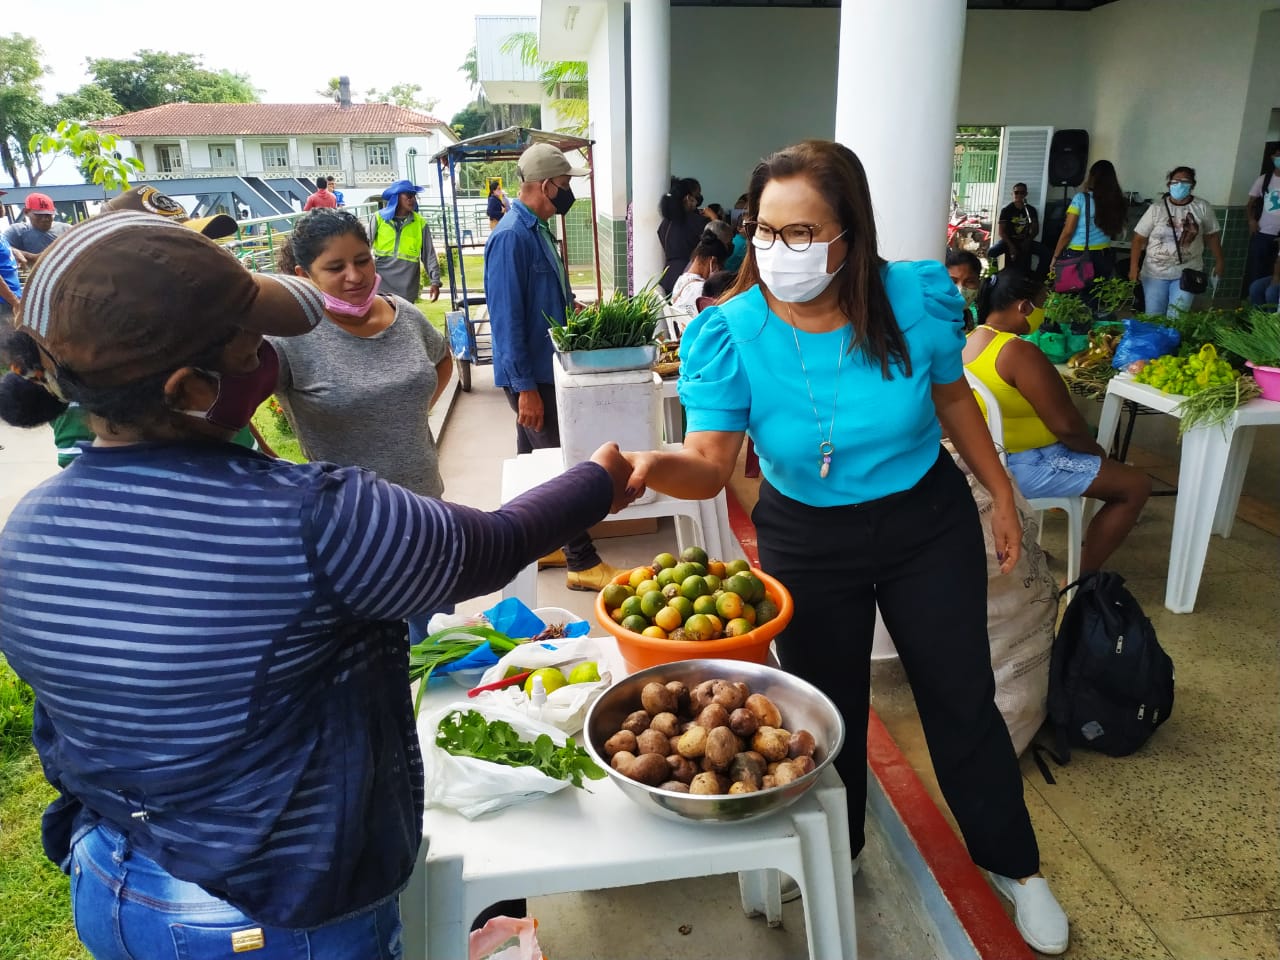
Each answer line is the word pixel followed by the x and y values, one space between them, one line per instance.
pixel 714 387
pixel 931 312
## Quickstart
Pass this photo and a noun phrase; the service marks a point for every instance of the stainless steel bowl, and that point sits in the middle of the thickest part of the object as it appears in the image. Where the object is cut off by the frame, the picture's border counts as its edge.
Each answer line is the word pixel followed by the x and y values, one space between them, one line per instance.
pixel 803 707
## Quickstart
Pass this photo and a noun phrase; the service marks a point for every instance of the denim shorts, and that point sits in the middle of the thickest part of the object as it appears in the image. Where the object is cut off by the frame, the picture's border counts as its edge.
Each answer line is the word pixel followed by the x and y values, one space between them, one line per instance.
pixel 1053 471
pixel 127 907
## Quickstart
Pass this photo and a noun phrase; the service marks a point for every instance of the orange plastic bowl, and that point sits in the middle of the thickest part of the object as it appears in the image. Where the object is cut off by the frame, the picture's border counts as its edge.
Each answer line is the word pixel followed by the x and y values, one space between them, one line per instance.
pixel 640 651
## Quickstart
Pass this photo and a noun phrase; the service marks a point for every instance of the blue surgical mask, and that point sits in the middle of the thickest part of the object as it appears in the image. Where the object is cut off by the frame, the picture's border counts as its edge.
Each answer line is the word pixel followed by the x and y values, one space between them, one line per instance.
pixel 1179 190
pixel 1275 162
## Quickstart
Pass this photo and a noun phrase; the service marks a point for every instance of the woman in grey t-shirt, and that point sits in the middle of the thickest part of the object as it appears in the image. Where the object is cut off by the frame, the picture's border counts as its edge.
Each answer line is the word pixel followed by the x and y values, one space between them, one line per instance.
pixel 358 392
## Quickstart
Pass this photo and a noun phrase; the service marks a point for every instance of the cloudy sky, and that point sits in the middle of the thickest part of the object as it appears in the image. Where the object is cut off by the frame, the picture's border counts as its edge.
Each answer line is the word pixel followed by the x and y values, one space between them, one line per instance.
pixel 288 52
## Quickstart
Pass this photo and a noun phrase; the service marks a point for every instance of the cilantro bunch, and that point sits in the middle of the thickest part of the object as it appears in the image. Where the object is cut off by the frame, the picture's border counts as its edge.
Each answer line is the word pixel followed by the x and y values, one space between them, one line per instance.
pixel 469 734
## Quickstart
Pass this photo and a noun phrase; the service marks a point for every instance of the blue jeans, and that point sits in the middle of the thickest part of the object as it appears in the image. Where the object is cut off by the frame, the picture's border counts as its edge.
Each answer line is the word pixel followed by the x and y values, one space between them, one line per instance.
pixel 1262 292
pixel 1166 296
pixel 126 907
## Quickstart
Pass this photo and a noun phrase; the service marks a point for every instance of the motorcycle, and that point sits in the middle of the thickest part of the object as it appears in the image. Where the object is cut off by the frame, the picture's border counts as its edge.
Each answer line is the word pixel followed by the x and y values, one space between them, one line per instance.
pixel 969 231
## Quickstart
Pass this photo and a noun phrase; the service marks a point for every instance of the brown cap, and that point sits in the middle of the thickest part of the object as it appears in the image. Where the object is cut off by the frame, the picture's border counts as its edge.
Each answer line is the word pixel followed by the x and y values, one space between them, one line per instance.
pixel 129 295
pixel 146 199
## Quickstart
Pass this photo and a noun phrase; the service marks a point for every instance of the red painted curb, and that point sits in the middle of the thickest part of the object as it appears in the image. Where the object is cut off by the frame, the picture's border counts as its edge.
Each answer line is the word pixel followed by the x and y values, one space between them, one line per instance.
pixel 976 906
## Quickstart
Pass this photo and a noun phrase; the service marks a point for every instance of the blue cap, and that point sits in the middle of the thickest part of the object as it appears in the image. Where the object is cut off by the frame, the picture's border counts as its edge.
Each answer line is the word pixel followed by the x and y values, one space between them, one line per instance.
pixel 391 197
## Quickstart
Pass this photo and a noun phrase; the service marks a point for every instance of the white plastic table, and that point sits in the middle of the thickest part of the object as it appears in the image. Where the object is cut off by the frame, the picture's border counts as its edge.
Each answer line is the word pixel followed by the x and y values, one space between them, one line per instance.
pixel 1210 475
pixel 701 522
pixel 601 839
pixel 672 412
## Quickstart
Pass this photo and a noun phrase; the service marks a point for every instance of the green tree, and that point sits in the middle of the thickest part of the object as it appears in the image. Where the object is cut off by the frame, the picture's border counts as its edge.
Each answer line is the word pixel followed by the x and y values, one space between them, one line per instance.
pixel 94 152
pixel 330 91
pixel 471 69
pixel 470 120
pixel 564 81
pixel 153 77
pixel 22 111
pixel 404 95
pixel 90 102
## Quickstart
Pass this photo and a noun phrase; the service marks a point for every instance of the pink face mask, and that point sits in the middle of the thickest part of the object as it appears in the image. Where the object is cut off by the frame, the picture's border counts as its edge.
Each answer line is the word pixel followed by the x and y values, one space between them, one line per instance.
pixel 344 309
pixel 240 394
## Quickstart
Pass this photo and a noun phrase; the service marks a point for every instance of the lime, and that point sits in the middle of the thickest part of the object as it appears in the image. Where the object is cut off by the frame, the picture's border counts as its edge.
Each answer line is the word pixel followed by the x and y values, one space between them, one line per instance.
pixel 717 625
pixel 693 587
pixel 729 606
pixel 681 572
pixel 749 613
pixel 663 560
pixel 699 627
pixel 671 590
pixel 632 606
pixel 736 628
pixel 588 672
pixel 684 605
pixel 716 568
pixel 614 594
pixel 713 582
pixel 552 679
pixel 668 618
pixel 741 584
pixel 736 566
pixel 665 576
pixel 766 610
pixel 757 588
pixel 704 605
pixel 655 631
pixel 639 575
pixel 645 586
pixel 694 555
pixel 635 623
pixel 652 602
pixel 699 568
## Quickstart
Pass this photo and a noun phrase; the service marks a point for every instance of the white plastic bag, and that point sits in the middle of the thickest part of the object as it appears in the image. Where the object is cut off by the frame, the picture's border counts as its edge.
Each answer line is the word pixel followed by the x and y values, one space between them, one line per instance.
pixel 506 938
pixel 566 707
pixel 476 787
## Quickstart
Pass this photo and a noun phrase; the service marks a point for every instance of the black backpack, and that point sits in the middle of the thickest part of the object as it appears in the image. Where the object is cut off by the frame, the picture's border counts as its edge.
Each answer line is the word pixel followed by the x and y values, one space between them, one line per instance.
pixel 1110 682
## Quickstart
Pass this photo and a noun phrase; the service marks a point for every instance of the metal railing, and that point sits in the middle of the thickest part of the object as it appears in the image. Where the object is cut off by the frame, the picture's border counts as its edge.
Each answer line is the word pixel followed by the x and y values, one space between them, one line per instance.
pixel 257 241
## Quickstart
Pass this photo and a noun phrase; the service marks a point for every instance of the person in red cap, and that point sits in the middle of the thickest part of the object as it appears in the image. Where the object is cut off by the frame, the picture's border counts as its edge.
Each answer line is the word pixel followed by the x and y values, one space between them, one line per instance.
pixel 32 236
pixel 215 638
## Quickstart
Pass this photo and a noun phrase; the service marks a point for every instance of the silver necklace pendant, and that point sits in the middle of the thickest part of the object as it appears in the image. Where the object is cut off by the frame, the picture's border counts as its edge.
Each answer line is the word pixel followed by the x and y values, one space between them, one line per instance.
pixel 825 449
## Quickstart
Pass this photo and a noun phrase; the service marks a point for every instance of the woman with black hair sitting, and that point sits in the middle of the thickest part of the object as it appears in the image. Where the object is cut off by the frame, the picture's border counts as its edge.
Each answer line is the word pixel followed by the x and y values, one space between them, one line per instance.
pixel 709 256
pixel 1051 451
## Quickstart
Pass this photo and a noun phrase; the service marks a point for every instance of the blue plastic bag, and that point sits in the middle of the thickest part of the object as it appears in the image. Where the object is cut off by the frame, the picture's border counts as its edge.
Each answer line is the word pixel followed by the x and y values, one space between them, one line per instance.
pixel 1144 341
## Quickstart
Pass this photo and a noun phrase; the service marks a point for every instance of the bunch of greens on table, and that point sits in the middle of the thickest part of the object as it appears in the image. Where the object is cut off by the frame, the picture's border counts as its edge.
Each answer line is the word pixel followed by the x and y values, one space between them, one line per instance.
pixel 469 734
pixel 449 646
pixel 620 321
pixel 1257 339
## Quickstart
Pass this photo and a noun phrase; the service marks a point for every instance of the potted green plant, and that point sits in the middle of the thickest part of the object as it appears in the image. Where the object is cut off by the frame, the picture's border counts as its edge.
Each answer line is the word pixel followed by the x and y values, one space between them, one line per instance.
pixel 614 334
pixel 1258 341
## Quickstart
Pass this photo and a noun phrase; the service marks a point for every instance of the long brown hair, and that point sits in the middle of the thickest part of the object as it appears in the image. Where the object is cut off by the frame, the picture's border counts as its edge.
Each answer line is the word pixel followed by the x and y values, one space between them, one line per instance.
pixel 1109 204
pixel 836 172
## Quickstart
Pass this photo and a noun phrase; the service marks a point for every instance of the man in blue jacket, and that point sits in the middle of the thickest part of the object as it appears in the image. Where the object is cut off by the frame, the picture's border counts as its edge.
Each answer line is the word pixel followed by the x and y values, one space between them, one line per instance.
pixel 525 282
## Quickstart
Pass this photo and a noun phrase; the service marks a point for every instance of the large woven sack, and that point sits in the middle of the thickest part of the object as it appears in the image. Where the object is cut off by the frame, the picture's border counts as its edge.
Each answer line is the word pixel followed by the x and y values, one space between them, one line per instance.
pixel 1022 608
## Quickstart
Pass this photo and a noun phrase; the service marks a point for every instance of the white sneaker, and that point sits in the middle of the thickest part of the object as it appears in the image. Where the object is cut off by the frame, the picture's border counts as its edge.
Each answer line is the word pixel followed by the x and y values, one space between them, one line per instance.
pixel 791 889
pixel 1036 912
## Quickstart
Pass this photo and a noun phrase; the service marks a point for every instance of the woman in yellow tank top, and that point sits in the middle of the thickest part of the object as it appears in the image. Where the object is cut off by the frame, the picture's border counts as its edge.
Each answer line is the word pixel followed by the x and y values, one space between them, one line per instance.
pixel 1051 450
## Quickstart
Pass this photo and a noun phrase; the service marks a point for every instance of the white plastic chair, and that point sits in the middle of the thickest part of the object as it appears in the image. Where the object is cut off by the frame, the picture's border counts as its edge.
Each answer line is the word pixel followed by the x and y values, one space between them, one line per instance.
pixel 1073 507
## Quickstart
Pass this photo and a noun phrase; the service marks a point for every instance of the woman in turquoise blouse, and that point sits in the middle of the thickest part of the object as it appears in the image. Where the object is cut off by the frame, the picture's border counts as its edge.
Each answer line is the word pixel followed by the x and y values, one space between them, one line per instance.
pixel 845 370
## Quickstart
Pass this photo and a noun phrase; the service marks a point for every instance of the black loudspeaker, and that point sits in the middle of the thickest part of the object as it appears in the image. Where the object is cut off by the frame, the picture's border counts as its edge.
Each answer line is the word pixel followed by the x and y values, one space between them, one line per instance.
pixel 1068 158
pixel 1055 215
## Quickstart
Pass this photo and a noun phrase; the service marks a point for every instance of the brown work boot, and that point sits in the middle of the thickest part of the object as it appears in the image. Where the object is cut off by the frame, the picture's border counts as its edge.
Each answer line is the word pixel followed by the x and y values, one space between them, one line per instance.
pixel 593 578
pixel 555 559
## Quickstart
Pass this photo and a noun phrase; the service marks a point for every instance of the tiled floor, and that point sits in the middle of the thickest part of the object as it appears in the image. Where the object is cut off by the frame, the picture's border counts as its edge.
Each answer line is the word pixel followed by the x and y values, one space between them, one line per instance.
pixel 1171 852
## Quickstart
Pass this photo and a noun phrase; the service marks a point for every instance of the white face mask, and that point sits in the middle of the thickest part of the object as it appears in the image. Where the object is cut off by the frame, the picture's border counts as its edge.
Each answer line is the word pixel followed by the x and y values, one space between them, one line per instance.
pixel 795 277
pixel 969 293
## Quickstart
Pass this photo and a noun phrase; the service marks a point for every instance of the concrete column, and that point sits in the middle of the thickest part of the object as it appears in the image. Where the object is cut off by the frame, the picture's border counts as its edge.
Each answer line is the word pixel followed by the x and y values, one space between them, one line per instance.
pixel 347 160
pixel 906 147
pixel 242 158
pixel 187 166
pixel 650 130
pixel 294 159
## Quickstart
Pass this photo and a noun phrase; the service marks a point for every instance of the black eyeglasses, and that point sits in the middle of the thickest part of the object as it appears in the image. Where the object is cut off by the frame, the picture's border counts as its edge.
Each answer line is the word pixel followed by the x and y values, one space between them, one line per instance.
pixel 796 236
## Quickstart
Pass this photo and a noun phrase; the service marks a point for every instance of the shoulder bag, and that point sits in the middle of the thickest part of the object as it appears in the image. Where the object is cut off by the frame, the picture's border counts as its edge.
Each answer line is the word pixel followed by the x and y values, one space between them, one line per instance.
pixel 1191 281
pixel 1075 267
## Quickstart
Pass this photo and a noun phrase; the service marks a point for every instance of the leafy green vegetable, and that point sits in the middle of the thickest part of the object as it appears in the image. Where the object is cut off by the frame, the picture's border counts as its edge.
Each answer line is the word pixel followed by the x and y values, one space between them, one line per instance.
pixel 620 321
pixel 469 734
pixel 1257 341
pixel 1215 404
pixel 448 646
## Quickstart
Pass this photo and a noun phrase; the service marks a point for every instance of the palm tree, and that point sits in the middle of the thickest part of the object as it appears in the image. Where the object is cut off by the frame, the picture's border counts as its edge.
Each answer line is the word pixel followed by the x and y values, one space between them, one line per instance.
pixel 564 81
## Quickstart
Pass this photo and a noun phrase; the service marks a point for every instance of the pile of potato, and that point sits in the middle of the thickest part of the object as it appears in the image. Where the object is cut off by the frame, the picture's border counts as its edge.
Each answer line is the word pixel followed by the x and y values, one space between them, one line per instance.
pixel 718 738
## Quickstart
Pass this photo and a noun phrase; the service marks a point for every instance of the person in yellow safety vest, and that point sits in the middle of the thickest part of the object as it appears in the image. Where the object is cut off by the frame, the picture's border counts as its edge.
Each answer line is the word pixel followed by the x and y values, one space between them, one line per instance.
pixel 402 241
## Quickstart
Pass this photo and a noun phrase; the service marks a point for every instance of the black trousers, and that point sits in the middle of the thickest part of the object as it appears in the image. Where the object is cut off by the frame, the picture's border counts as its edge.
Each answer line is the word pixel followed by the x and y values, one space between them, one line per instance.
pixel 920 555
pixel 580 552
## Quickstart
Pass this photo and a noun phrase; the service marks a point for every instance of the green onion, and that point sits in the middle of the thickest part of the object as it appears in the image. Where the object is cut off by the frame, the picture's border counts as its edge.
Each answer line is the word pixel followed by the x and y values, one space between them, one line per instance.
pixel 448 646
pixel 1214 405
pixel 620 321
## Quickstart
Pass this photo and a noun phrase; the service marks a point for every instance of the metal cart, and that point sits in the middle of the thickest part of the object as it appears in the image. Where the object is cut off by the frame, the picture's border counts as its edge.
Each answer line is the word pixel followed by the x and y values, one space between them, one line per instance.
pixel 467 323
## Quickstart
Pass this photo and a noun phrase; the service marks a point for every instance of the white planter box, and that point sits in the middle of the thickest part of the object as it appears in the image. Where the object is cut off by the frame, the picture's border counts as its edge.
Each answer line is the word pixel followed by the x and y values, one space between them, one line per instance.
pixel 594 408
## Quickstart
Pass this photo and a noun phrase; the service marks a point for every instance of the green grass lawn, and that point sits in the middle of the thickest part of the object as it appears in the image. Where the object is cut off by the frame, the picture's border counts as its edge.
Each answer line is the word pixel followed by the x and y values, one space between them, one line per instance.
pixel 35 922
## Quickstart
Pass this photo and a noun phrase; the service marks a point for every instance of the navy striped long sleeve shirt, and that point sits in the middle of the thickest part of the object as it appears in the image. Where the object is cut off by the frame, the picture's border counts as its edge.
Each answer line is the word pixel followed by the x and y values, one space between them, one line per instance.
pixel 216 646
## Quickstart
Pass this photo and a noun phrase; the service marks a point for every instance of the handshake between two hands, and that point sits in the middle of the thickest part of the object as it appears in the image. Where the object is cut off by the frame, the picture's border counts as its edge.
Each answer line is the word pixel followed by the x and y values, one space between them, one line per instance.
pixel 628 471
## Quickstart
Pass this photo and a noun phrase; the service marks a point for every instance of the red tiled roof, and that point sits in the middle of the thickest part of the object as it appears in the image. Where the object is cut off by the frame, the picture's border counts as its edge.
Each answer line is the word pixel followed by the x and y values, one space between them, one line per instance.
pixel 267 119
